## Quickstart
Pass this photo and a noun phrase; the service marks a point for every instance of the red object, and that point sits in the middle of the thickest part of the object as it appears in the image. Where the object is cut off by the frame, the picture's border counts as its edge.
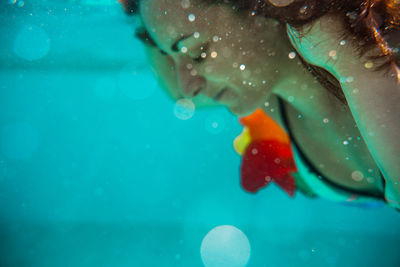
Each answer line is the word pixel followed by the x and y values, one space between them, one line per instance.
pixel 268 160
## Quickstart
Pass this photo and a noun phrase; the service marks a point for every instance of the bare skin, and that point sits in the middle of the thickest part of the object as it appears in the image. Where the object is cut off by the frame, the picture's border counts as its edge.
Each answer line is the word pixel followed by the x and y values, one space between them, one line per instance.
pixel 327 132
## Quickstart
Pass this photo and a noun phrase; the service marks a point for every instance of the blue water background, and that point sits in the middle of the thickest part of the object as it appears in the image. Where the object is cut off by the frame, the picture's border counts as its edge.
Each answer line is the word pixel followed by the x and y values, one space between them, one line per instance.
pixel 96 169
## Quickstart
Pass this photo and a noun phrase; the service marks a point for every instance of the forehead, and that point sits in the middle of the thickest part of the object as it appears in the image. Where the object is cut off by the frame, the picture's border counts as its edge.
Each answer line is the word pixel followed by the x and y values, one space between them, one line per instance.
pixel 167 20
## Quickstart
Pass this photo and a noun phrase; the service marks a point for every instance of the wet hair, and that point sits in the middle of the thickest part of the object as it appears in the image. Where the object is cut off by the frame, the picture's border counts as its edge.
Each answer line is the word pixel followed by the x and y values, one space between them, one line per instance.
pixel 369 23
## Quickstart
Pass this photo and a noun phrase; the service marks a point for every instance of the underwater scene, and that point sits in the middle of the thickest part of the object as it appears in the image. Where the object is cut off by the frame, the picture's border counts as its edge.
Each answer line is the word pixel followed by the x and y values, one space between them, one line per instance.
pixel 109 157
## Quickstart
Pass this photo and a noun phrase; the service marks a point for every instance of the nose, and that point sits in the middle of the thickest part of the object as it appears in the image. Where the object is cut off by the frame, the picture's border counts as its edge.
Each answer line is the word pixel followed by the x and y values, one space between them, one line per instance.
pixel 190 81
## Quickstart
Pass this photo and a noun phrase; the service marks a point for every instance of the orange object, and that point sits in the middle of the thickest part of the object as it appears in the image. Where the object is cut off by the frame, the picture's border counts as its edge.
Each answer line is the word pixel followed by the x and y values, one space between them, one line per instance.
pixel 267 154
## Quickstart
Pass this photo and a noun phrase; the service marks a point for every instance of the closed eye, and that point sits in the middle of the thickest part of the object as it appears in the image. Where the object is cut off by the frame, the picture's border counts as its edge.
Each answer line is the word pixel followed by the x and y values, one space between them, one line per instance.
pixel 202 56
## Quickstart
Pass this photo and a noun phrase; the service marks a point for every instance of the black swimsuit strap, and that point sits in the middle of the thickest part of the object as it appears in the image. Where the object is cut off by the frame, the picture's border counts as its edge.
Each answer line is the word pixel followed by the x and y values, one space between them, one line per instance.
pixel 312 167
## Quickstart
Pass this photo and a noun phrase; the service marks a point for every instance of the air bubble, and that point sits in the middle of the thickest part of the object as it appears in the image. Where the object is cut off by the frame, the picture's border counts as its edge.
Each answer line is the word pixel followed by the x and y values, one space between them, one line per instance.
pixel 357 176
pixel 191 17
pixel 184 109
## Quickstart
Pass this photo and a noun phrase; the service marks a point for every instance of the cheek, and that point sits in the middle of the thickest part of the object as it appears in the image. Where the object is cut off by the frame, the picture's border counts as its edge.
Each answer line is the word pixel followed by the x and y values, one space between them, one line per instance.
pixel 164 68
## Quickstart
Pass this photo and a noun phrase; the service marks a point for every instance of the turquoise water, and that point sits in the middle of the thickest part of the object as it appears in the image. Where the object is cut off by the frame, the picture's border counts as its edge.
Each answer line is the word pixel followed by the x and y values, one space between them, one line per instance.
pixel 96 169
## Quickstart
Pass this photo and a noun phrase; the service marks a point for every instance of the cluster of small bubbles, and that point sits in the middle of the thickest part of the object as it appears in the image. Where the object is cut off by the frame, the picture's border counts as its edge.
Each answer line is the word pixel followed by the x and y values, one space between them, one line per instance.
pixel 196 35
pixel 343 42
pixel 357 176
pixel 235 65
pixel 268 178
pixel 215 38
pixel 325 120
pixel 266 104
pixel 333 54
pixel 291 98
pixel 214 54
pixel 345 142
pixel 184 49
pixel 292 55
pixel 184 109
pixel 355 90
pixel 242 67
pixel 368 64
pixel 185 4
pixel 254 151
pixel 191 17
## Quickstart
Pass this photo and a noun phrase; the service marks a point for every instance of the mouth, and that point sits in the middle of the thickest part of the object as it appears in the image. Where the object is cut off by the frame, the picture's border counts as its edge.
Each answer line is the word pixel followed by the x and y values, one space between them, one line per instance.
pixel 218 96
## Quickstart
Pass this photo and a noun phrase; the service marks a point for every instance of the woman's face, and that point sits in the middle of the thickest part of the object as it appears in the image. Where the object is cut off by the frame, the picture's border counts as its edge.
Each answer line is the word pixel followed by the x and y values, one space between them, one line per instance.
pixel 216 52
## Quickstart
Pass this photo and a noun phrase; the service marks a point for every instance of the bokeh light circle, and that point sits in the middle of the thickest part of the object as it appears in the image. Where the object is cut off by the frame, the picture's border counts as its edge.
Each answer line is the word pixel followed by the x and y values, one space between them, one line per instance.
pixel 184 109
pixel 225 246
pixel 18 140
pixel 31 43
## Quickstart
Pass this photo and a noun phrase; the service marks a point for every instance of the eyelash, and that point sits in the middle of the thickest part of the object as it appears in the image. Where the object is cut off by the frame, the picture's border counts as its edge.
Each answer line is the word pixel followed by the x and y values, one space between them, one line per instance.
pixel 200 59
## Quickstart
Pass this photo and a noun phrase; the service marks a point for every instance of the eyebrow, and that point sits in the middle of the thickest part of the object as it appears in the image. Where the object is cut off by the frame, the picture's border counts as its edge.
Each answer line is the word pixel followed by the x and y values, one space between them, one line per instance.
pixel 174 46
